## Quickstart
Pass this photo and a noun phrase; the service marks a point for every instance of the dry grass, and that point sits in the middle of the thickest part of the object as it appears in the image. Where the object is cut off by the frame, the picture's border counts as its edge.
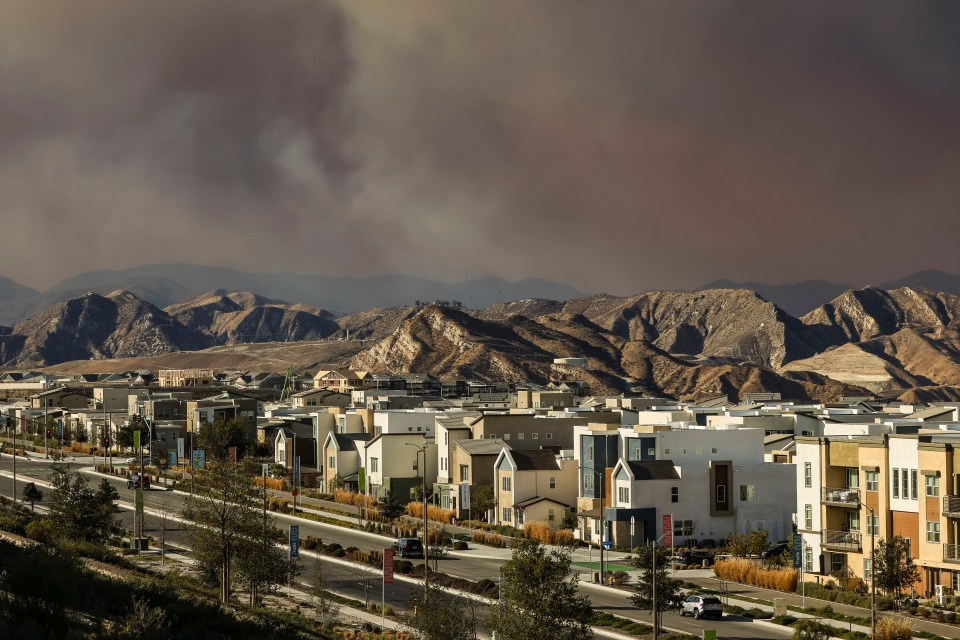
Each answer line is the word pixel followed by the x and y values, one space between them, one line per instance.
pixel 563 537
pixel 893 629
pixel 415 510
pixel 489 539
pixel 740 570
pixel 277 484
pixel 355 499
pixel 540 531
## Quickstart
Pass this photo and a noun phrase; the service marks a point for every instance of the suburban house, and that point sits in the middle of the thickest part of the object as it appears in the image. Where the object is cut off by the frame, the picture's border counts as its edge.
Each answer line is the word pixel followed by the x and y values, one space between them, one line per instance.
pixel 342 380
pixel 395 462
pixel 341 460
pixel 62 397
pixel 534 485
pixel 319 398
pixel 472 464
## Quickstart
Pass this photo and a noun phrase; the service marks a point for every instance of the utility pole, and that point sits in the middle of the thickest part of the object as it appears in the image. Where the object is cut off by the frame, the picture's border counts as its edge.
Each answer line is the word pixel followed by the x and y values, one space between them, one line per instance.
pixel 46 431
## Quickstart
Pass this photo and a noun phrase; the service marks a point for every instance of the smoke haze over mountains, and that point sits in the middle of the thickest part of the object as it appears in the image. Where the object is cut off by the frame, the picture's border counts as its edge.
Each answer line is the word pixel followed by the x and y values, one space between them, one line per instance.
pixel 615 146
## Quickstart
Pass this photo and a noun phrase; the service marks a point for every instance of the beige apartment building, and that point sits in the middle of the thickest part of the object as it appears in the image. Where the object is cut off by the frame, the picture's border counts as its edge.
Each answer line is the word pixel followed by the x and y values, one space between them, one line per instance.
pixel 854 491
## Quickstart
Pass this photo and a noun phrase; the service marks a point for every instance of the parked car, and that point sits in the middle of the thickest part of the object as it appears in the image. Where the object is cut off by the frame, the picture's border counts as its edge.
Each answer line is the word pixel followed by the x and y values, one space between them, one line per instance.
pixel 775 550
pixel 132 461
pixel 702 607
pixel 408 548
pixel 696 556
pixel 134 481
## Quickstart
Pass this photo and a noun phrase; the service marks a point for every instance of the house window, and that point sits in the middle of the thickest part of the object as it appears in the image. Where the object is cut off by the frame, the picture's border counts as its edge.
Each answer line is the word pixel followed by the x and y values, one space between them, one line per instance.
pixel 506 483
pixel 867 570
pixel 838 562
pixel 852 477
pixel 506 436
pixel 416 463
pixel 853 521
pixel 333 462
pixel 683 527
pixel 808 559
pixel 896 483
pixel 550 516
pixel 748 493
pixel 933 485
pixel 699 451
pixel 807 474
pixel 666 451
pixel 549 436
pixel 553 482
pixel 535 436
pixel 519 436
pixel 374 465
pixel 933 532
pixel 674 494
pixel 904 484
pixel 506 514
pixel 623 494
pixel 464 473
pixel 652 452
pixel 721 493
pixel 873 525
pixel 808 517
pixel 596 526
pixel 590 453
pixel 913 484
pixel 872 480
pixel 713 450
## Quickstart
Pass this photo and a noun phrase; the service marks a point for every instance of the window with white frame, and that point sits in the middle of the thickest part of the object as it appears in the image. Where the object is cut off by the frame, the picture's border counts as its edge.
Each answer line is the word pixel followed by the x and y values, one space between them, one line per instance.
pixel 808 559
pixel 852 478
pixel 867 569
pixel 896 483
pixel 933 531
pixel 904 483
pixel 807 474
pixel 505 483
pixel 683 527
pixel 506 514
pixel 506 436
pixel 933 485
pixel 913 484
pixel 873 525
pixel 553 482
pixel 748 493
pixel 519 436
pixel 623 494
pixel 535 436
pixel 374 465
pixel 464 473
pixel 872 479
pixel 808 517
pixel 333 462
pixel 550 515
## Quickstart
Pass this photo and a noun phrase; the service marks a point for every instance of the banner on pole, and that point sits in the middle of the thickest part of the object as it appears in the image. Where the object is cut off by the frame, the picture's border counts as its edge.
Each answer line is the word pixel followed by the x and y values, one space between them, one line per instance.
pixel 199 458
pixel 388 565
pixel 797 550
pixel 464 495
pixel 667 530
pixel 180 447
pixel 294 541
pixel 233 455
pixel 60 427
pixel 136 440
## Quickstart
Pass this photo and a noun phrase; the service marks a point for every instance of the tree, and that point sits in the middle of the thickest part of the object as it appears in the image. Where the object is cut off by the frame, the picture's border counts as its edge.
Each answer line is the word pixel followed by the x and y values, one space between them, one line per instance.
pixel 80 513
pixel 482 500
pixel 162 462
pixel 446 617
pixel 741 545
pixel 32 494
pixel 227 526
pixel 668 595
pixel 391 506
pixel 327 607
pixel 894 569
pixel 539 597
pixel 217 438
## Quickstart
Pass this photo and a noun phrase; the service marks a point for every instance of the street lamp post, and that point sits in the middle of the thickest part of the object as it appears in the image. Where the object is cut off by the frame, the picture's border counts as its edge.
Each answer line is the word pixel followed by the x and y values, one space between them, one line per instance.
pixel 873 576
pixel 603 528
pixel 426 532
pixel 653 588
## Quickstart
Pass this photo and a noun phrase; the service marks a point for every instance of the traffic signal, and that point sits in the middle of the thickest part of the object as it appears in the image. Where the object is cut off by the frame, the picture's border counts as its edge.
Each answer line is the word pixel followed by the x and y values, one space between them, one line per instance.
pixel 48 433
pixel 106 441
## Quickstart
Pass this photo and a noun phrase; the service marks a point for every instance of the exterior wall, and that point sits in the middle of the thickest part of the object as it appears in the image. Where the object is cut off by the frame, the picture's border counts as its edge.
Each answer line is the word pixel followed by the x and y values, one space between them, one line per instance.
pixel 810 452
pixel 111 398
pixel 525 431
pixel 185 377
pixel 420 422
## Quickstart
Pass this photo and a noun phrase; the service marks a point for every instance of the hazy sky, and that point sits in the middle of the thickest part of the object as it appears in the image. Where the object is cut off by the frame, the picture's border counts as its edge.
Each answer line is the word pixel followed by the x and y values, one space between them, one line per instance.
pixel 612 145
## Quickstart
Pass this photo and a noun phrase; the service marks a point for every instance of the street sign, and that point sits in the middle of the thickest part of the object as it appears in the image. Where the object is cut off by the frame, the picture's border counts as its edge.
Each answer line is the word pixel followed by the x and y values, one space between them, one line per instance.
pixel 607 544
pixel 797 550
pixel 180 447
pixel 388 565
pixel 464 495
pixel 633 523
pixel 667 530
pixel 172 458
pixel 60 427
pixel 199 458
pixel 294 541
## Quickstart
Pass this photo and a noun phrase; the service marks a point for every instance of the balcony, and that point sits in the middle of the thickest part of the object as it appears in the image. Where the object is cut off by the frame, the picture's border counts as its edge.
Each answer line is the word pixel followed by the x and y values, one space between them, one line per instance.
pixel 951 506
pixel 846 497
pixel 951 553
pixel 840 540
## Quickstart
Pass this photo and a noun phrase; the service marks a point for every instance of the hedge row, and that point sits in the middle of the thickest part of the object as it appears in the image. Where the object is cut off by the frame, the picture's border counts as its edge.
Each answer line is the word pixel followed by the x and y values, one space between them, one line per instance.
pixel 740 570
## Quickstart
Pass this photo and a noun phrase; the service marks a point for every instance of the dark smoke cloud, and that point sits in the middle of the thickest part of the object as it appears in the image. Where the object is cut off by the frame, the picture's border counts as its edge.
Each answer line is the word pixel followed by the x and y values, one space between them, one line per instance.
pixel 616 145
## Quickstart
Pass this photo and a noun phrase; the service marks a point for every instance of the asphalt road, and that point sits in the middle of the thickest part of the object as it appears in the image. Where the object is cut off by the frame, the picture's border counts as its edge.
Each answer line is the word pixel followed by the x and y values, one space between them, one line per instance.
pixel 359 583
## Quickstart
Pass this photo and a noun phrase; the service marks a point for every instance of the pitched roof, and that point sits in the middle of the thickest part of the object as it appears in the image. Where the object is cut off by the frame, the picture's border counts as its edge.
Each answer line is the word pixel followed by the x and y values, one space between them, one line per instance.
pixel 653 470
pixel 483 447
pixel 531 501
pixel 534 460
pixel 930 412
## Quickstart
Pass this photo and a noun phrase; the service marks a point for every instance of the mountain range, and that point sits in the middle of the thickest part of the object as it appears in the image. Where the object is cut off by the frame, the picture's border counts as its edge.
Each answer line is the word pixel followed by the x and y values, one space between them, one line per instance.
pixel 903 342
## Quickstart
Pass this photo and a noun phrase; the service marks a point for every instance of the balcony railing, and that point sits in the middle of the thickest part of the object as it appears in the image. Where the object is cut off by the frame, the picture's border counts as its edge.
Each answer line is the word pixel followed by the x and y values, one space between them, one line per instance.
pixel 951 553
pixel 845 497
pixel 840 540
pixel 951 506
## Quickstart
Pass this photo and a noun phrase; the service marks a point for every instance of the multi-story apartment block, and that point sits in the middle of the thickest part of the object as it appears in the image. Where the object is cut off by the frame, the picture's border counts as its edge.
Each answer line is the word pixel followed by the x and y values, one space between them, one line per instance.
pixel 854 491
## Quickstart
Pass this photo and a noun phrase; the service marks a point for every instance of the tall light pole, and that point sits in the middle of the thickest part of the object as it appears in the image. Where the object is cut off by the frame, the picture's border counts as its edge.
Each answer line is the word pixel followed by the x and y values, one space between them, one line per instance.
pixel 603 528
pixel 653 587
pixel 426 533
pixel 873 574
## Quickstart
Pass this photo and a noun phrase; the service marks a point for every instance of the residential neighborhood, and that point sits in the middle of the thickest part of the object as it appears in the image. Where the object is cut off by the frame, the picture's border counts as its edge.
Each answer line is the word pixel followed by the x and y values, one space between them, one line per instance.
pixel 615 470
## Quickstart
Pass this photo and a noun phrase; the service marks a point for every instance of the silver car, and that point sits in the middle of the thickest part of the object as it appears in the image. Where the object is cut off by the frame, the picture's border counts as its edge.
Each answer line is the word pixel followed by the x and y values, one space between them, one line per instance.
pixel 703 607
